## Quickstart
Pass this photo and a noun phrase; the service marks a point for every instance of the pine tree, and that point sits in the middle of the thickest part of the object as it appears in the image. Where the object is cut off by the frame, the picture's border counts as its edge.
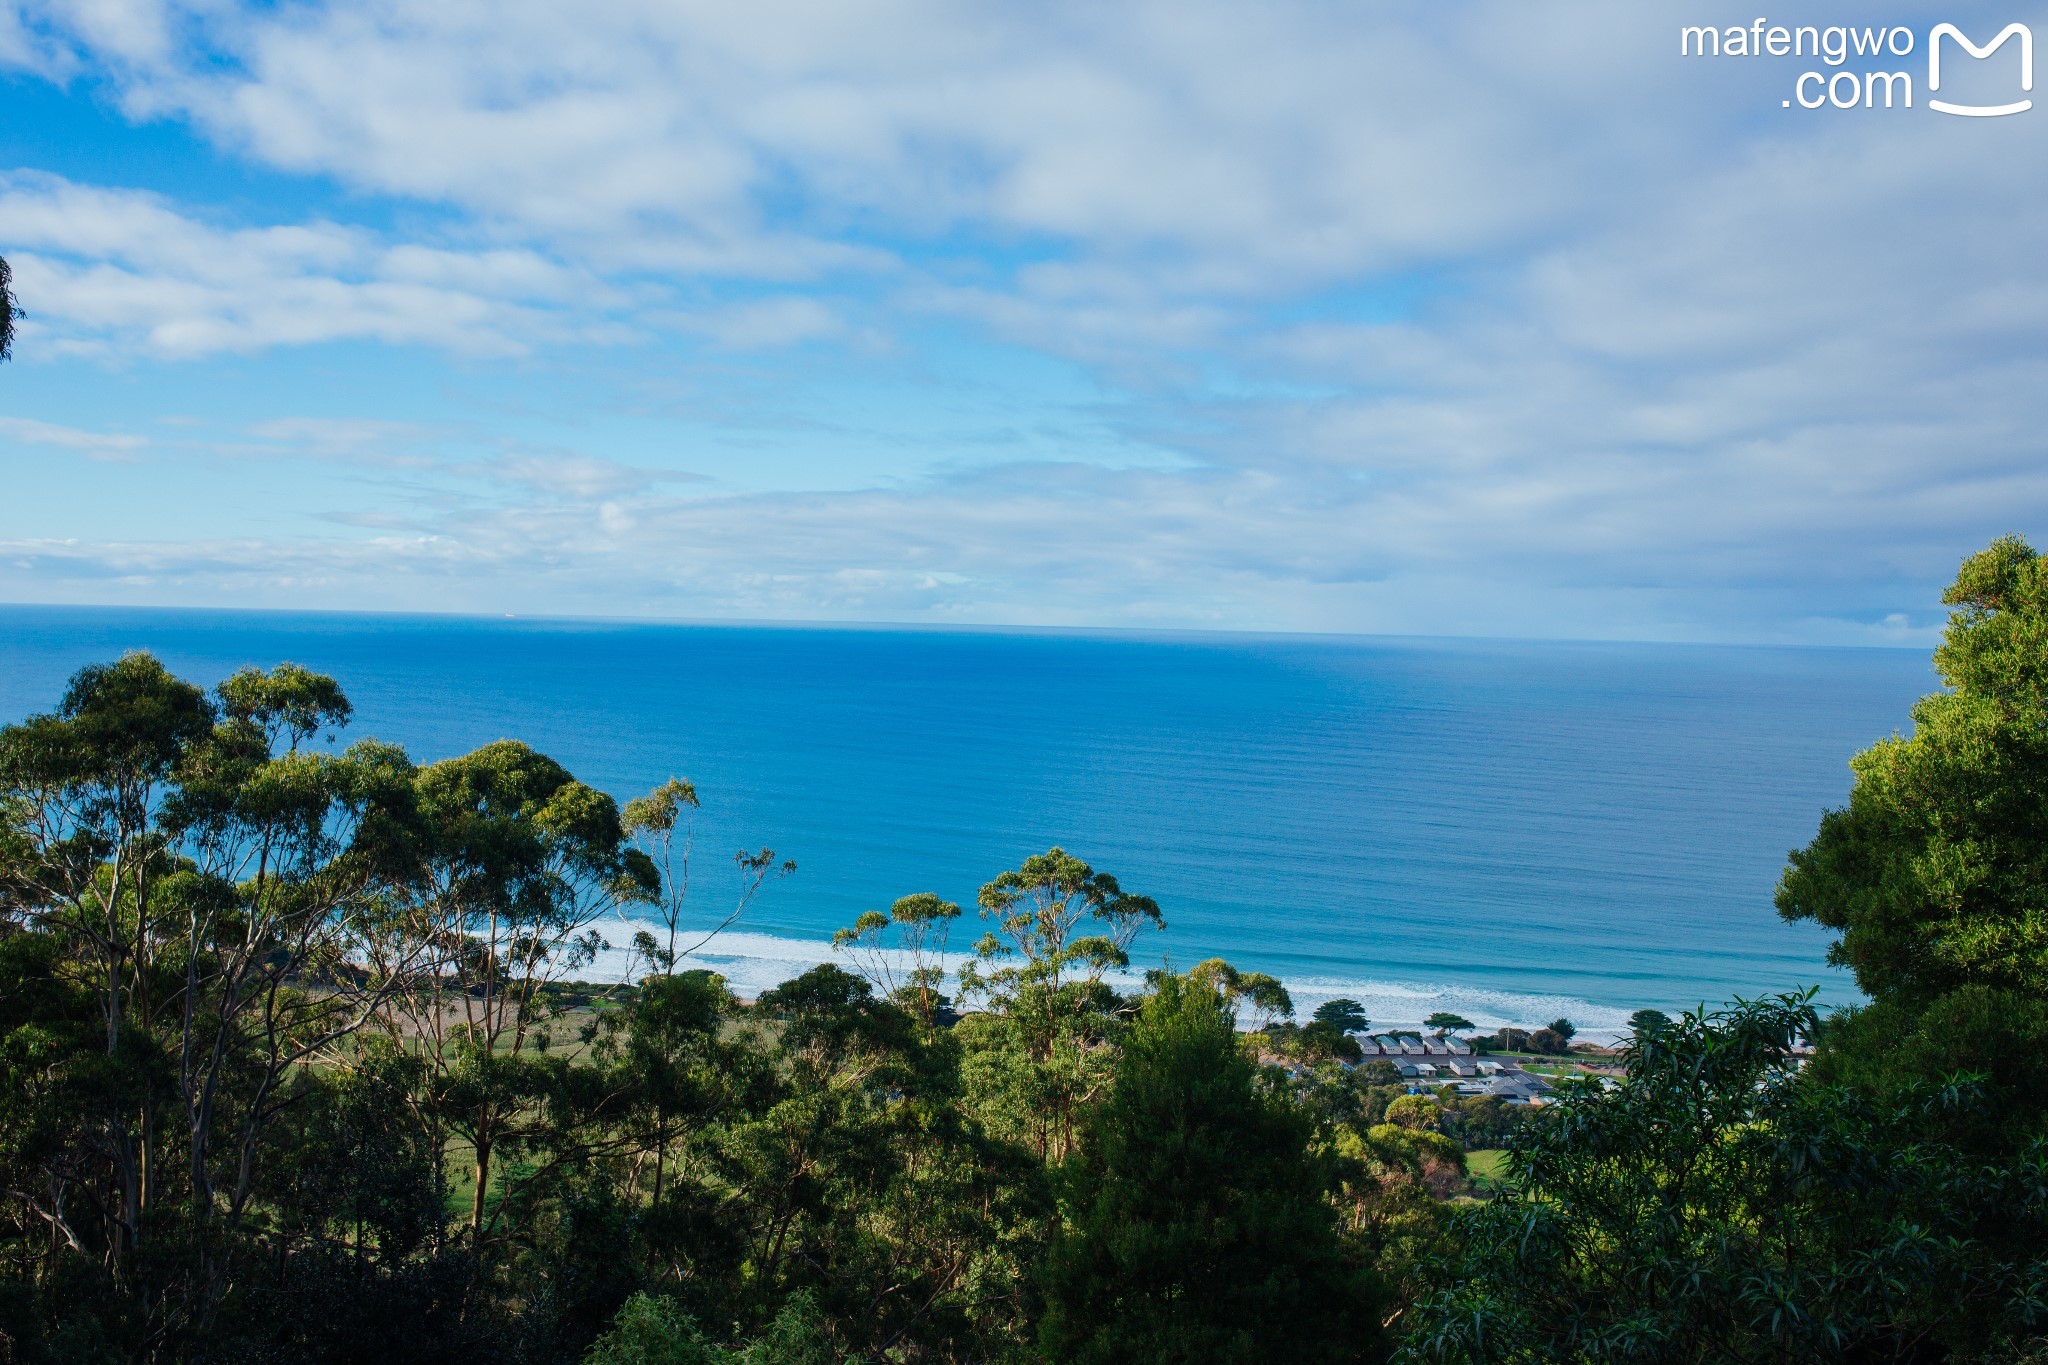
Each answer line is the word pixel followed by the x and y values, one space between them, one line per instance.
pixel 1199 1230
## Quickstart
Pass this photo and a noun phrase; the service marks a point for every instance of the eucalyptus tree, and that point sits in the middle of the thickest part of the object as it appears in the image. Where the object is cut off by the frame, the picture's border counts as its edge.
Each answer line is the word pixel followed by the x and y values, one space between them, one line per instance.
pixel 208 869
pixel 1037 961
pixel 1256 1000
pixel 285 851
pixel 662 824
pixel 1056 927
pixel 674 1063
pixel 865 1182
pixel 814 1156
pixel 512 865
pixel 84 792
pixel 902 950
pixel 656 1331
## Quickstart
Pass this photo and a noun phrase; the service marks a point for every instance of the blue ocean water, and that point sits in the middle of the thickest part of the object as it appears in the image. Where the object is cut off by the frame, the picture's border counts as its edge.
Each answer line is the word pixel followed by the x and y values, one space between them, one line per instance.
pixel 1507 829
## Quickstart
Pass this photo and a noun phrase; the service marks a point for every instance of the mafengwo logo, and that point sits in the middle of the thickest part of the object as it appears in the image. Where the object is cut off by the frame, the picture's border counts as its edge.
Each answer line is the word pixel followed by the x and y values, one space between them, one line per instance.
pixel 1978 86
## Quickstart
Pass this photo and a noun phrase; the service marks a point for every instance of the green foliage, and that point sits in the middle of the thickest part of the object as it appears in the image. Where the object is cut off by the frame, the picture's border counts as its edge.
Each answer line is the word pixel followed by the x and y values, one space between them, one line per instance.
pixel 1887 1203
pixel 650 1330
pixel 1343 1014
pixel 1443 1022
pixel 1415 1111
pixel 1647 1021
pixel 1198 1228
pixel 1936 873
pixel 1713 1207
pixel 654 1331
pixel 1255 999
pixel 1036 961
pixel 1888 1050
pixel 663 810
pixel 269 1013
pixel 358 1167
pixel 661 828
pixel 797 1336
pixel 1320 1040
pixel 903 950
pixel 831 1011
pixel 1040 968
pixel 868 1184
pixel 1475 1122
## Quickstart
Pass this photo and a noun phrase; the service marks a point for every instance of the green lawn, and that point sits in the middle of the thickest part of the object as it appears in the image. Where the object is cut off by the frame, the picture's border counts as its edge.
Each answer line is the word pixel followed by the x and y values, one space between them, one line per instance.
pixel 1487 1168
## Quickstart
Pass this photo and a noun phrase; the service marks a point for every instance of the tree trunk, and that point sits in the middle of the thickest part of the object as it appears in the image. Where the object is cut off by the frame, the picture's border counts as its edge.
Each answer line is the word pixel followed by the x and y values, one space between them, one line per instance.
pixel 482 1188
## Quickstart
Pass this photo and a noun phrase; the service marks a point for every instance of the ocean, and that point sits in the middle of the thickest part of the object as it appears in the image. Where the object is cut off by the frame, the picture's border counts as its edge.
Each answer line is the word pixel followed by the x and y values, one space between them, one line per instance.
pixel 1507 830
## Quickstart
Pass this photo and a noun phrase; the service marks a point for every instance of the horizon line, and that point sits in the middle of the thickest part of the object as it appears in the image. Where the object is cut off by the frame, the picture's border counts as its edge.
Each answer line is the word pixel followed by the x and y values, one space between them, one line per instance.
pixel 936 627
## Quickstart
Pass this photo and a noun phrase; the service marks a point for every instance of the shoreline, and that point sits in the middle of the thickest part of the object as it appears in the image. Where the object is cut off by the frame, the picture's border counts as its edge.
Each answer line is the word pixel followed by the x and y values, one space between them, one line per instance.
pixel 753 961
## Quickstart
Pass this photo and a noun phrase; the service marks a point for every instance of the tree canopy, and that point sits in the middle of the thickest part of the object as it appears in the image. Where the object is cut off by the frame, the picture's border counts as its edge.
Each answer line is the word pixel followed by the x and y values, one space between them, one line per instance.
pixel 1199 1228
pixel 1935 875
pixel 1884 1201
pixel 1343 1014
pixel 1715 1208
pixel 1647 1021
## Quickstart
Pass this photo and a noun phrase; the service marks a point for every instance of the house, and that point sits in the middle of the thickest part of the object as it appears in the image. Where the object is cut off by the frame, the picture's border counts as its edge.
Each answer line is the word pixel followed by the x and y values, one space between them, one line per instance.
pixel 1519 1087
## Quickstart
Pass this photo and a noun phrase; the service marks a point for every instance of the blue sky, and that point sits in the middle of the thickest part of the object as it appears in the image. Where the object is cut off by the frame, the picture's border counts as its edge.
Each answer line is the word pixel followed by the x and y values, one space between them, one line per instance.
pixel 1478 318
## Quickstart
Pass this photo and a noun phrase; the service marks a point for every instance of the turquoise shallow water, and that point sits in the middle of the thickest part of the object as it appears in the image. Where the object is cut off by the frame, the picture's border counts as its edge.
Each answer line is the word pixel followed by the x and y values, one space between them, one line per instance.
pixel 1506 829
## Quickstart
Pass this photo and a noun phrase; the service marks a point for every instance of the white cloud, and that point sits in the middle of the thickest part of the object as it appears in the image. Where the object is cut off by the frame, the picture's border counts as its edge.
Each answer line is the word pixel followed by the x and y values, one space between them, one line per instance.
pixel 761 323
pixel 1047 545
pixel 123 272
pixel 1486 317
pixel 571 477
pixel 1241 147
pixel 95 445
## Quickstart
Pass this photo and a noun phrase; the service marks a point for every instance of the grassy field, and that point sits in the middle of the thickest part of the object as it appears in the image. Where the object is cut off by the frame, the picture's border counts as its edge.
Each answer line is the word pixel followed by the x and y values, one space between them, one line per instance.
pixel 1487 1167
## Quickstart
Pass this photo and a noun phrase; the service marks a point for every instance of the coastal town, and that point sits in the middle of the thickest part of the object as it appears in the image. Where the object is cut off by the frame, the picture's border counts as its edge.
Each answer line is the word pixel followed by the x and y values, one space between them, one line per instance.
pixel 1430 1060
